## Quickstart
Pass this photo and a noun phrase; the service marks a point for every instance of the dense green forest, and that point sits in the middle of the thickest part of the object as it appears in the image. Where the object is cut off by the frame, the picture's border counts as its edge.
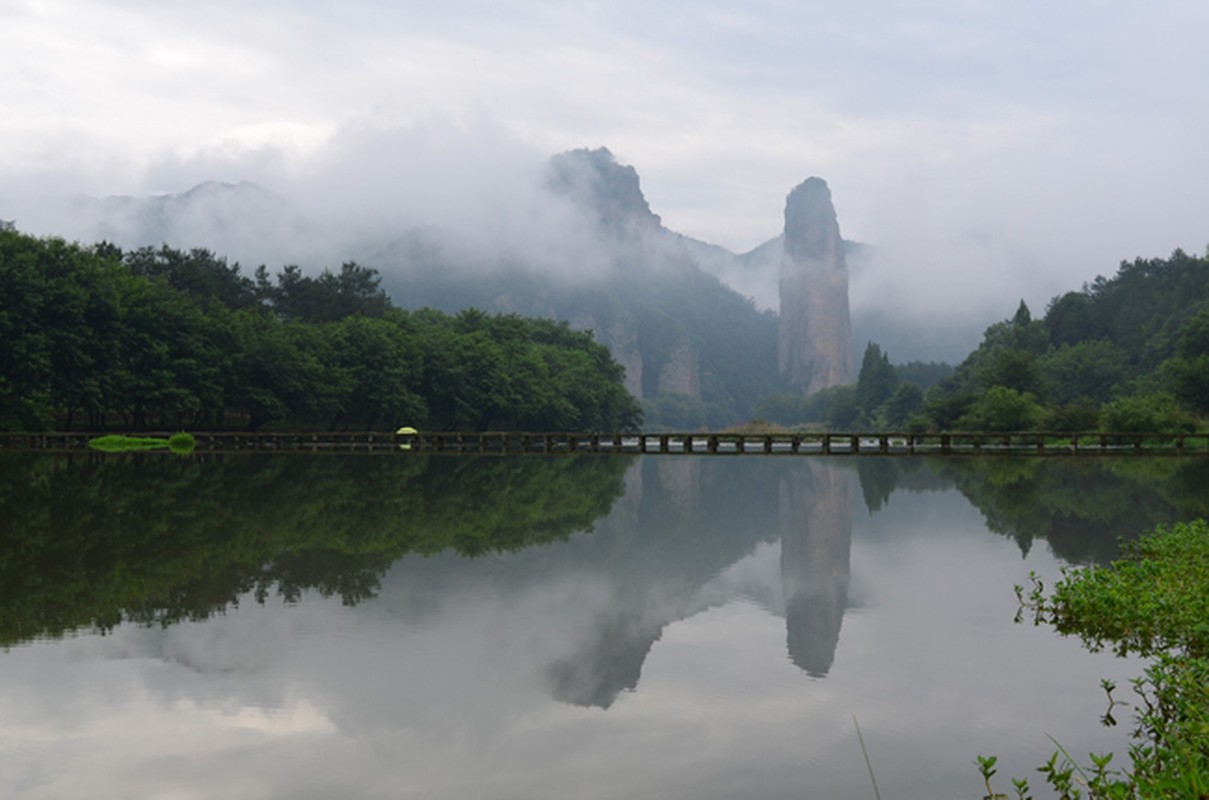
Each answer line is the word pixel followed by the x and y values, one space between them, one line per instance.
pixel 884 397
pixel 1124 354
pixel 93 337
pixel 1127 353
pixel 157 338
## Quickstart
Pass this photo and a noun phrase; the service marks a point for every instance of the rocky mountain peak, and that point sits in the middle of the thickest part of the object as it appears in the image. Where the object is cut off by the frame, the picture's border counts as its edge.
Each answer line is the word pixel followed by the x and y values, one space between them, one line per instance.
pixel 811 228
pixel 814 344
pixel 599 184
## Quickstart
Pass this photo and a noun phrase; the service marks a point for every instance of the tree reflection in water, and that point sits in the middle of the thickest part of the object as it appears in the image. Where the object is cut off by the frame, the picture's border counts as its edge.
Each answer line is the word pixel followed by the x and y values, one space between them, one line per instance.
pixel 92 541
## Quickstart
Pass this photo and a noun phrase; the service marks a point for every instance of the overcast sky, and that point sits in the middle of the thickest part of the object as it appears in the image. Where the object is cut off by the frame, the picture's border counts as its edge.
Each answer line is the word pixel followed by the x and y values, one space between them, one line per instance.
pixel 991 146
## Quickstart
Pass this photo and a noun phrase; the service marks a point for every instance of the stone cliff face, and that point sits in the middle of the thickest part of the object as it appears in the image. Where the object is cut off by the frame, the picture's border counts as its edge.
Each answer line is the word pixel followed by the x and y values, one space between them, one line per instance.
pixel 814 343
pixel 681 374
pixel 595 181
pixel 638 247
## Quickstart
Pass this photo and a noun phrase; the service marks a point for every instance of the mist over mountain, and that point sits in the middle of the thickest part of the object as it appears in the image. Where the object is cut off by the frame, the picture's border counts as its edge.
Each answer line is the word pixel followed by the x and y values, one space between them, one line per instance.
pixel 697 351
pixel 218 216
pixel 573 237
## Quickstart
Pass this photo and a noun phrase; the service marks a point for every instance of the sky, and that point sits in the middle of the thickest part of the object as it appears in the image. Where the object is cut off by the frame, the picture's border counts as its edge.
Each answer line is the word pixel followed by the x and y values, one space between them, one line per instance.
pixel 990 150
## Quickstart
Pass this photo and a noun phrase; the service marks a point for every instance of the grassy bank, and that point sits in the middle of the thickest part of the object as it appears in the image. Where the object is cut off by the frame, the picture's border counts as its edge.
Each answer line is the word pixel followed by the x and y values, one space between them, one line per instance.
pixel 119 443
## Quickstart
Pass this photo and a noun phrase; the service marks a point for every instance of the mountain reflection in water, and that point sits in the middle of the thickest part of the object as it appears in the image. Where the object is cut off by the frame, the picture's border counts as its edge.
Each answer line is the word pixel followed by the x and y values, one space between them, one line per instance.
pixel 94 540
pixel 816 537
pixel 407 620
pixel 810 514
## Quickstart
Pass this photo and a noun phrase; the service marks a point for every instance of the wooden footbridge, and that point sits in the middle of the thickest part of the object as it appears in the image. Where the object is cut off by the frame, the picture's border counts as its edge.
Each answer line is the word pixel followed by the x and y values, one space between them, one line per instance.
pixel 507 443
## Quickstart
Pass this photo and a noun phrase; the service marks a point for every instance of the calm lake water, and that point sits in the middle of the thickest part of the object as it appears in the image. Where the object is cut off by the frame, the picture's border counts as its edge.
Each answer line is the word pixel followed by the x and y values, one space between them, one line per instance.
pixel 549 627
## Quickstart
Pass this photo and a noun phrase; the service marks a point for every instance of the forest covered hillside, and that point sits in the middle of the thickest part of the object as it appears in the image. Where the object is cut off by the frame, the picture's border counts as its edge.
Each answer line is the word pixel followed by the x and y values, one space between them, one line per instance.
pixel 1128 353
pixel 94 337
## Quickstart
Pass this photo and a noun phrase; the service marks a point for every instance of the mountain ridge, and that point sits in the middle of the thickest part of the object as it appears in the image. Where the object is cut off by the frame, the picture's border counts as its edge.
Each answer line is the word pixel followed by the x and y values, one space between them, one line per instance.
pixel 696 350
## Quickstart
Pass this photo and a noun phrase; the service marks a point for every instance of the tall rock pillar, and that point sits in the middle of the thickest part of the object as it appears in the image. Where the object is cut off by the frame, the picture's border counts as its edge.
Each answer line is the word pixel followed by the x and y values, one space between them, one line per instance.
pixel 814 341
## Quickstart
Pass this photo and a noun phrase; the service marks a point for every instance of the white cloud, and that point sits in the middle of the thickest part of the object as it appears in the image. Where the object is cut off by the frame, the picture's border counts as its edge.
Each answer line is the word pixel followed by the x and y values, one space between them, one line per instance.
pixel 1069 133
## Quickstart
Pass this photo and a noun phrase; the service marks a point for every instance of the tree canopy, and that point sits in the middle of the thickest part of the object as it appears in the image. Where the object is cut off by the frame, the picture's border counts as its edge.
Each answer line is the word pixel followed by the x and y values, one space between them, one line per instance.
pixel 160 338
pixel 1126 354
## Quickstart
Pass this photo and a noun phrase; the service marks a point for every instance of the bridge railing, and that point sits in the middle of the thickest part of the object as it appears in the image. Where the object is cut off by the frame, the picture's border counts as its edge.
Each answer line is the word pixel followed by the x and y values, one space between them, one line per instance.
pixel 664 443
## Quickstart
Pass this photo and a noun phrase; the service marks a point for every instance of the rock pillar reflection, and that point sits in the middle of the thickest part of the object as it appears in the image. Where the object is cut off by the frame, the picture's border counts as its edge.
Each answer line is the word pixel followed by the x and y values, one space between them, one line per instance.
pixel 816 537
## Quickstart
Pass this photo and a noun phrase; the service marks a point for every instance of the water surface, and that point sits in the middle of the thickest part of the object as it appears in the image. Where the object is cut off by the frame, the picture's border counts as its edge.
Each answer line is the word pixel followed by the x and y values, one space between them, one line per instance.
pixel 529 627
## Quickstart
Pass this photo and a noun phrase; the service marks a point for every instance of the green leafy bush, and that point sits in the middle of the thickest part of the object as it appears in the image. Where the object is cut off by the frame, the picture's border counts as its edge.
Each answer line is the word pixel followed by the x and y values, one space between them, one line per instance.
pixel 182 442
pixel 1152 413
pixel 1153 602
pixel 1002 409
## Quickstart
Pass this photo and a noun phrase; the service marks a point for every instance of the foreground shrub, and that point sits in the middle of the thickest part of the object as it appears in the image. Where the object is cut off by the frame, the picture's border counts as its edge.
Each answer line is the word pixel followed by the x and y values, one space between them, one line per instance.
pixel 1154 602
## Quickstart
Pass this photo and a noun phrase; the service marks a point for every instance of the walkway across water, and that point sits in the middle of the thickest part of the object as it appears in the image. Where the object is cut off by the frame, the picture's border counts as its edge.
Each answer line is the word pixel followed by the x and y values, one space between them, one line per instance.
pixel 502 443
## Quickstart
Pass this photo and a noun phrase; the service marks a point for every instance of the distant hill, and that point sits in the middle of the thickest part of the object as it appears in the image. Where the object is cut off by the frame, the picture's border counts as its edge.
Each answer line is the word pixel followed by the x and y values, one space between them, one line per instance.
pixel 1142 309
pixel 231 218
pixel 1128 353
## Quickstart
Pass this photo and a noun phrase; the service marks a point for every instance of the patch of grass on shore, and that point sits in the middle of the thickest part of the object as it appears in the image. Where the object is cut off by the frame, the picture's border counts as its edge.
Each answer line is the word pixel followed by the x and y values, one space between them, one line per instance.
pixel 121 443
